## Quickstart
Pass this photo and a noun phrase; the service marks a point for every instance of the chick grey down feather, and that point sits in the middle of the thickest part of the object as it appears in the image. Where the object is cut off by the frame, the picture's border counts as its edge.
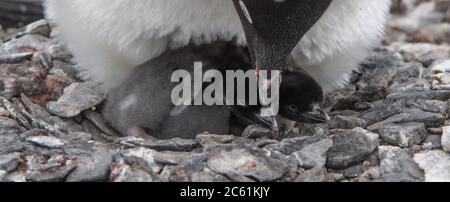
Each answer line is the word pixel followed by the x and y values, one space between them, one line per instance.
pixel 144 100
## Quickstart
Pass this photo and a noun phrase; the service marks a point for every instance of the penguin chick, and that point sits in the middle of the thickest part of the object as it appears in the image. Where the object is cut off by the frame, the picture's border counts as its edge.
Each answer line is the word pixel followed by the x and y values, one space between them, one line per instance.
pixel 144 101
pixel 111 37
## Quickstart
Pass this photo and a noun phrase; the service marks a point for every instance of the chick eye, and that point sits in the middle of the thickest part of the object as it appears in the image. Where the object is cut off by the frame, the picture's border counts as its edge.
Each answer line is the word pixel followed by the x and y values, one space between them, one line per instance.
pixel 293 108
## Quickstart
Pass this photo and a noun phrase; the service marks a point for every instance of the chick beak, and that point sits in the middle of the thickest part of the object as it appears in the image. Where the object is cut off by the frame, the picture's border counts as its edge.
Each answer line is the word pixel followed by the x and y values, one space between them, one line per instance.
pixel 317 115
pixel 268 122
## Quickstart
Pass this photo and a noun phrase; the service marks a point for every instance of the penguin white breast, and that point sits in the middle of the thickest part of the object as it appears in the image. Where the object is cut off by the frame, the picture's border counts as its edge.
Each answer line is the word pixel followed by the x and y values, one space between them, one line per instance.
pixel 110 37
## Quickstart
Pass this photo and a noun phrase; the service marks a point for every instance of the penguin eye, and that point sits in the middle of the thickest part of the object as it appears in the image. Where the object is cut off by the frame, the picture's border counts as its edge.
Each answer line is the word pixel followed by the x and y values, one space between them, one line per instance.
pixel 293 108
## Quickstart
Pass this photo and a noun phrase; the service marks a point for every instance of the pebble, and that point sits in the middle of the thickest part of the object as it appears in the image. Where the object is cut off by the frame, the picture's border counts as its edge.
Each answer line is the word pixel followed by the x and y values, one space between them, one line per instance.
pixel 350 148
pixel 76 98
pixel 432 142
pixel 313 155
pixel 314 175
pixel 291 145
pixel 398 166
pixel 436 164
pixel 347 122
pixel 445 140
pixel 231 160
pixel 47 142
pixel 403 135
pixel 8 126
pixel 9 162
pixel 413 115
pixel 92 168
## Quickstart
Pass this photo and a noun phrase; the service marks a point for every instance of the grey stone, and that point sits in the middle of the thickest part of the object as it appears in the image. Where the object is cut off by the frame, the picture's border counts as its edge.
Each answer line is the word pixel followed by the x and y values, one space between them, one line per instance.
pixel 291 145
pixel 92 168
pixel 314 175
pixel 58 175
pixel 26 43
pixel 403 135
pixel 194 169
pixel 409 72
pixel 9 144
pixel 346 103
pixel 422 51
pixel 363 106
pixel 126 173
pixel 436 165
pixel 143 157
pixel 380 113
pixel 412 115
pixel 35 110
pixel 313 130
pixel 207 139
pixel 79 136
pixel 175 144
pixel 231 160
pixel 208 176
pixel 265 142
pixel 347 122
pixel 2 175
pixel 445 140
pixel 9 162
pixel 434 106
pixel 15 113
pixel 370 175
pixel 334 97
pixel 442 95
pixel 150 157
pixel 64 72
pixel 353 171
pixel 76 98
pixel 99 121
pixel 59 52
pixel 18 176
pixel 398 166
pixel 432 142
pixel 351 148
pixel 8 126
pixel 15 58
pixel 41 27
pixel 47 142
pixel 412 85
pixel 313 155
pixel 64 124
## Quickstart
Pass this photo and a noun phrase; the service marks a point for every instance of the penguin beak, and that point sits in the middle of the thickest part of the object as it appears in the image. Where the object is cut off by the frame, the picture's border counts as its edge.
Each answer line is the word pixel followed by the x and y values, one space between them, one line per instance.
pixel 274 28
pixel 268 122
pixel 316 115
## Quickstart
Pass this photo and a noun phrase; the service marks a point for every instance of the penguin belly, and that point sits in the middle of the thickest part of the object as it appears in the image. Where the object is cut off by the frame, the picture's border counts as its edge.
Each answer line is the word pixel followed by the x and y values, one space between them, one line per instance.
pixel 111 37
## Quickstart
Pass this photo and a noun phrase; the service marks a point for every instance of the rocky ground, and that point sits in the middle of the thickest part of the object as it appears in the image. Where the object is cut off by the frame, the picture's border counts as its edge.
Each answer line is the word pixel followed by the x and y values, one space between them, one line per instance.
pixel 390 124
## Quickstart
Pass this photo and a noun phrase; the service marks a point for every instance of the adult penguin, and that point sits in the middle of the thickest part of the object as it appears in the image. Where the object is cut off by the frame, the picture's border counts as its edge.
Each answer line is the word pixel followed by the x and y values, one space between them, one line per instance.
pixel 109 38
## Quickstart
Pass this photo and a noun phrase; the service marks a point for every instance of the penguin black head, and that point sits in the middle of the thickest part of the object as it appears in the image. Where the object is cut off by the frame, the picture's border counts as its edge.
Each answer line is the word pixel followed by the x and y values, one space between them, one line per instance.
pixel 300 96
pixel 274 27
